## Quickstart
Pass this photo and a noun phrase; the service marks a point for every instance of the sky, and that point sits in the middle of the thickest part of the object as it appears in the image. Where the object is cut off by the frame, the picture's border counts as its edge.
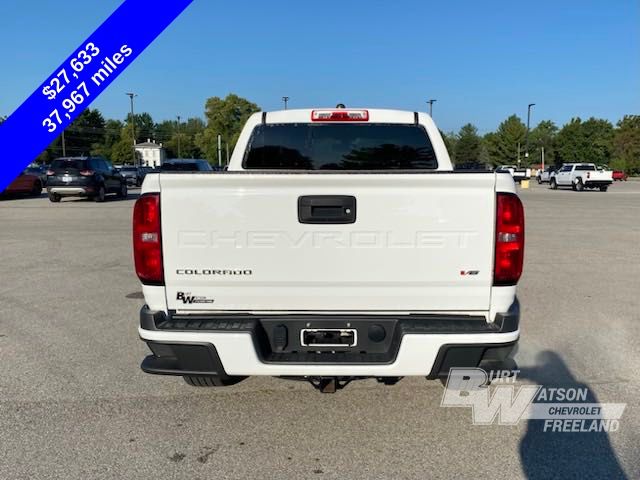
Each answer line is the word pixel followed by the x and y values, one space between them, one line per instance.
pixel 481 61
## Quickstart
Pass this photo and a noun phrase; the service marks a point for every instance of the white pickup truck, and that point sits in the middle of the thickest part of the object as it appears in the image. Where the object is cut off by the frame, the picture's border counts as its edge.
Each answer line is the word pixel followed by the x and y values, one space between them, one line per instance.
pixel 544 176
pixel 518 173
pixel 338 245
pixel 579 176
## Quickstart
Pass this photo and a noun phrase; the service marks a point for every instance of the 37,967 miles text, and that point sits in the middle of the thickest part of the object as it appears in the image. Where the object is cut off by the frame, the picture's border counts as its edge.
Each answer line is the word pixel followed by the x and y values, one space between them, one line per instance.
pixel 54 88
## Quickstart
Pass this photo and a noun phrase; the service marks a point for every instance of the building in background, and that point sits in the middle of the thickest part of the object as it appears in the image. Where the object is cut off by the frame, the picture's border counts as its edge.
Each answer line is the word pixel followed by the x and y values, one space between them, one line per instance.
pixel 152 154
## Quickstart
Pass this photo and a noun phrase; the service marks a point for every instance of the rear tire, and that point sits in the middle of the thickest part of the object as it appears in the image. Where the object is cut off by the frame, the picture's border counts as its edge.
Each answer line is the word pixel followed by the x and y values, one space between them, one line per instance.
pixel 212 381
pixel 54 197
pixel 579 186
pixel 539 180
pixel 553 184
pixel 123 190
pixel 604 188
pixel 100 196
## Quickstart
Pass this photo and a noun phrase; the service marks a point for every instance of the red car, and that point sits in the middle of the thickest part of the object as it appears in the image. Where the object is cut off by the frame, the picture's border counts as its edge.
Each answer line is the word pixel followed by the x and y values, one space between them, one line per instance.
pixel 24 184
pixel 620 175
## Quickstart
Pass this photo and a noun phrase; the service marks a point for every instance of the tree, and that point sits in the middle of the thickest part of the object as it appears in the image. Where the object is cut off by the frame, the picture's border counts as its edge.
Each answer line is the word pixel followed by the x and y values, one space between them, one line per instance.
pixel 543 136
pixel 145 128
pixel 450 140
pixel 86 130
pixel 122 151
pixel 468 147
pixel 502 145
pixel 112 134
pixel 225 117
pixel 180 139
pixel 626 145
pixel 590 141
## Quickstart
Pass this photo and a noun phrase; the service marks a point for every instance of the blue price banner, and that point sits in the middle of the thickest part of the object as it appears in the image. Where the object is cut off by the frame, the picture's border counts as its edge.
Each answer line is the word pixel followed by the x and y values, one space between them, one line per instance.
pixel 78 81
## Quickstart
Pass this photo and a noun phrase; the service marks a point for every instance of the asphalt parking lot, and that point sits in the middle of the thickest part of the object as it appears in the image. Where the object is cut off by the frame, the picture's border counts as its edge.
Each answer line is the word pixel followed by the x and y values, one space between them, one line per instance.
pixel 74 404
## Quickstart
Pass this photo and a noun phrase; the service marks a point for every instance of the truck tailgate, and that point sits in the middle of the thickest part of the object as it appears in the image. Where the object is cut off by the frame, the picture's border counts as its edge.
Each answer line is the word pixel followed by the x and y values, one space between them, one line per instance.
pixel 419 242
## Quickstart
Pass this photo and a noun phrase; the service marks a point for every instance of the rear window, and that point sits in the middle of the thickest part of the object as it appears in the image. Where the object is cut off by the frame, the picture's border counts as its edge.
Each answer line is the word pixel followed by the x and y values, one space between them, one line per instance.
pixel 69 164
pixel 585 167
pixel 340 146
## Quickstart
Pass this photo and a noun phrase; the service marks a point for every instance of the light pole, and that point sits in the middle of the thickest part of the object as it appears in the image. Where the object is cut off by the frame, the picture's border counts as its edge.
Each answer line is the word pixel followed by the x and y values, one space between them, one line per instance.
pixel 430 102
pixel 131 95
pixel 178 129
pixel 285 100
pixel 526 139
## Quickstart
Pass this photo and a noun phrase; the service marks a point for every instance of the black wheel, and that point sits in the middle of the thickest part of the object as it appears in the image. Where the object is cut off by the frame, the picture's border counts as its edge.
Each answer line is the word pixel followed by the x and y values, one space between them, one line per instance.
pixel 37 189
pixel 100 196
pixel 553 184
pixel 122 193
pixel 539 180
pixel 138 182
pixel 604 188
pixel 54 197
pixel 212 381
pixel 579 185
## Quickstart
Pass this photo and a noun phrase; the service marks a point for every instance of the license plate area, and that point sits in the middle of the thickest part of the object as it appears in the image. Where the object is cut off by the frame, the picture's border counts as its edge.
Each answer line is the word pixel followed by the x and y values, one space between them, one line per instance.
pixel 328 337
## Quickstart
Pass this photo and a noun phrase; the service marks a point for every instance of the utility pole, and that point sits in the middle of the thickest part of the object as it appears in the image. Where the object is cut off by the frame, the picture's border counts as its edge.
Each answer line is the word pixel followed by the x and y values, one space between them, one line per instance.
pixel 131 95
pixel 430 102
pixel 64 148
pixel 178 130
pixel 526 141
pixel 285 100
pixel 219 150
pixel 542 157
pixel 226 144
pixel 518 153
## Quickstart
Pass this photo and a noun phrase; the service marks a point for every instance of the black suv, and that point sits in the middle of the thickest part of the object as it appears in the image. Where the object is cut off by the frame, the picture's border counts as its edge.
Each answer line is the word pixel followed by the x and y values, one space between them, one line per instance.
pixel 92 177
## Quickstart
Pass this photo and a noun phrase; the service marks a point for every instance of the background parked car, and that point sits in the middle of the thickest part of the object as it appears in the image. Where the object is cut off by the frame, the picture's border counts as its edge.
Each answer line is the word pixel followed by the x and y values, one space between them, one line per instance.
pixel 620 175
pixel 183 165
pixel 580 176
pixel 518 173
pixel 39 171
pixel 132 174
pixel 92 177
pixel 543 176
pixel 24 184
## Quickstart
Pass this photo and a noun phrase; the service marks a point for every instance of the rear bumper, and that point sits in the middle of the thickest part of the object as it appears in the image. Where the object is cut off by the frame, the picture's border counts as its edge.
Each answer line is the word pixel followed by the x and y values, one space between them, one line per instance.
pixel 72 191
pixel 597 183
pixel 244 345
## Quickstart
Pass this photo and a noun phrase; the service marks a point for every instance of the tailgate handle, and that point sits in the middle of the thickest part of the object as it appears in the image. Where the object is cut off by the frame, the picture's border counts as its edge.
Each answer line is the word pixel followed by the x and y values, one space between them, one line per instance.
pixel 327 209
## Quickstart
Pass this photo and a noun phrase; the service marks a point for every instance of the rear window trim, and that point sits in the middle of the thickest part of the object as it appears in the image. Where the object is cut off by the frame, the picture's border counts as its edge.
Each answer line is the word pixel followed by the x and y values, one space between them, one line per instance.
pixel 297 170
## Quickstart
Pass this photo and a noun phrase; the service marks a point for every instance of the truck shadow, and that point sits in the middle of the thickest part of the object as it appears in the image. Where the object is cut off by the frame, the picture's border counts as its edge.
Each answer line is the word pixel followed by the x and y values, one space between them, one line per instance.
pixel 549 454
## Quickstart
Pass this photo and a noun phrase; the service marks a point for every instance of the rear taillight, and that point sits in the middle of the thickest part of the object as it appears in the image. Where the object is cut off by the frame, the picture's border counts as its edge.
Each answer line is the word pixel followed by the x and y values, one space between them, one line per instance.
pixel 509 253
pixel 588 174
pixel 86 173
pixel 147 239
pixel 340 115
